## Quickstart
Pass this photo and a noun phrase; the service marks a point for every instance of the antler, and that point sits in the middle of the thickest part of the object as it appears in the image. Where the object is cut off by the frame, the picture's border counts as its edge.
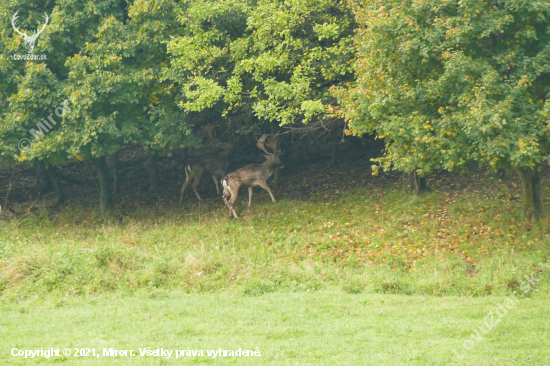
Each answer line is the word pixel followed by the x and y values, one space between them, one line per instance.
pixel 261 144
pixel 15 28
pixel 24 34
pixel 273 143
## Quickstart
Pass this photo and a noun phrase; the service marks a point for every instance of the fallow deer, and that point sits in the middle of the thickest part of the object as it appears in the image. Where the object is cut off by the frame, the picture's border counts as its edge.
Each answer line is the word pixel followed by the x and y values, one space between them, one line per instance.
pixel 252 175
pixel 216 166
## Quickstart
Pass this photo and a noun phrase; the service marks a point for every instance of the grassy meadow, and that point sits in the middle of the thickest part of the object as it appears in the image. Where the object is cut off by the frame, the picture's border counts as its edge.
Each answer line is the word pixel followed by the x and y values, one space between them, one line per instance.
pixel 299 328
pixel 347 271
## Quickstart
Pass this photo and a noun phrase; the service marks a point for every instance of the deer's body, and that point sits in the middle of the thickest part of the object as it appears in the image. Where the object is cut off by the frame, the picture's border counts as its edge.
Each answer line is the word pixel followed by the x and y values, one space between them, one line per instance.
pixel 250 176
pixel 215 165
pixel 196 169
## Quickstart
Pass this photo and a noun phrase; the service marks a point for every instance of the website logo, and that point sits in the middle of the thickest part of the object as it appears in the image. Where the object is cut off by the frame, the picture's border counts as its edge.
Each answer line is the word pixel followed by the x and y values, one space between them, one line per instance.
pixel 30 40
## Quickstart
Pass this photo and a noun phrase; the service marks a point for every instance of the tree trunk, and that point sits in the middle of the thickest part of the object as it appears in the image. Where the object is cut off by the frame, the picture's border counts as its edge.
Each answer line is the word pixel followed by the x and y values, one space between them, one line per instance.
pixel 47 180
pixel 530 198
pixel 104 186
pixel 413 183
pixel 152 167
pixel 115 173
pixel 59 196
pixel 43 182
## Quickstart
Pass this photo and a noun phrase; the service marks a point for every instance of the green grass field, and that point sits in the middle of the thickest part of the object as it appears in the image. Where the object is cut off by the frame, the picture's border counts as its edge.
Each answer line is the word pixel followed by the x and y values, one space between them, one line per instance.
pixel 301 328
pixel 347 276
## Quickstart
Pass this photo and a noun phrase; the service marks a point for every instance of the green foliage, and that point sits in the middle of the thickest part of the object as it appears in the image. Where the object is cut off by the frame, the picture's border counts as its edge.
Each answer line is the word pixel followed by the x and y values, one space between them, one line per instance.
pixel 33 90
pixel 449 82
pixel 118 87
pixel 106 59
pixel 273 59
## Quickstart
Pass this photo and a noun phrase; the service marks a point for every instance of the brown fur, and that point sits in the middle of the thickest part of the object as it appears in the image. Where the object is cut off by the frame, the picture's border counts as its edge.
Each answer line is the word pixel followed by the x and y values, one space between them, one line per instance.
pixel 196 169
pixel 250 176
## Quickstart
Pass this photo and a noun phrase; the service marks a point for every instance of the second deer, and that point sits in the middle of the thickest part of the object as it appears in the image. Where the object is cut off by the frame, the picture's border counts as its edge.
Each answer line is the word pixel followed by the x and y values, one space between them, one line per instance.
pixel 252 175
pixel 216 166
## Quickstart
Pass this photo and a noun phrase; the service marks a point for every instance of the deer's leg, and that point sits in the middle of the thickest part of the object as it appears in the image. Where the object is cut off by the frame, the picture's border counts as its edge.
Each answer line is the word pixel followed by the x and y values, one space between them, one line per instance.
pixel 216 183
pixel 264 186
pixel 188 178
pixel 234 196
pixel 249 196
pixel 198 176
pixel 225 195
pixel 228 205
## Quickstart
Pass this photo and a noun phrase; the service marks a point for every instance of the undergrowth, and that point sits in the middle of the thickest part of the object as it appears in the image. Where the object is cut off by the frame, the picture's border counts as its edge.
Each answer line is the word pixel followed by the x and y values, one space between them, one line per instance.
pixel 376 240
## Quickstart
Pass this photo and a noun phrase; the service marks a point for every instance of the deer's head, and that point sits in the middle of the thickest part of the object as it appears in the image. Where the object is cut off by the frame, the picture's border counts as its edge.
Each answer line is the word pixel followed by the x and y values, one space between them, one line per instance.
pixel 29 40
pixel 272 157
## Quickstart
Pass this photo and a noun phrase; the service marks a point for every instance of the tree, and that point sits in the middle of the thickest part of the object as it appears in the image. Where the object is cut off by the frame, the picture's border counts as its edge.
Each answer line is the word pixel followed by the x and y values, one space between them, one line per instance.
pixel 103 77
pixel 270 61
pixel 119 95
pixel 33 91
pixel 448 82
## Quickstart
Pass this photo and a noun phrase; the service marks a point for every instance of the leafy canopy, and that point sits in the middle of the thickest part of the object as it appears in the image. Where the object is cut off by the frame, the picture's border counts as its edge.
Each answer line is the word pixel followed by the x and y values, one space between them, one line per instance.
pixel 445 82
pixel 106 57
pixel 273 59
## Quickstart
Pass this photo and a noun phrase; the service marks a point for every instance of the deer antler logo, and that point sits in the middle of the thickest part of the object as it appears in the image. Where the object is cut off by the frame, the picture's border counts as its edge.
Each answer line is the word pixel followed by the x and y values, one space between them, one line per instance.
pixel 29 40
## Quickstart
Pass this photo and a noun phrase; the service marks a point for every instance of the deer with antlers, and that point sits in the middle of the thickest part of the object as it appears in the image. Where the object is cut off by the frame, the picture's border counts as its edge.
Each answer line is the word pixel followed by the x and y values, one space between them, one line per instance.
pixel 252 175
pixel 29 40
pixel 216 166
